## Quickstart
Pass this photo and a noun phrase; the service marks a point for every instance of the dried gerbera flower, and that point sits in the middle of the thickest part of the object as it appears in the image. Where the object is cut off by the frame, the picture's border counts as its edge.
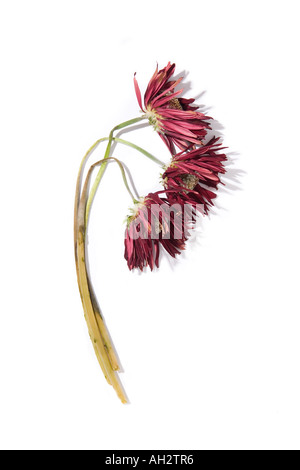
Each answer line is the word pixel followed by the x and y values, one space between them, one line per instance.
pixel 154 222
pixel 177 122
pixel 193 173
pixel 161 219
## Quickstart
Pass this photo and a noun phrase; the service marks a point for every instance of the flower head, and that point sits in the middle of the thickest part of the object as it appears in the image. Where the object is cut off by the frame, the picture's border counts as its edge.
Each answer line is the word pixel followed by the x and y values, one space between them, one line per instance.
pixel 153 223
pixel 193 174
pixel 177 122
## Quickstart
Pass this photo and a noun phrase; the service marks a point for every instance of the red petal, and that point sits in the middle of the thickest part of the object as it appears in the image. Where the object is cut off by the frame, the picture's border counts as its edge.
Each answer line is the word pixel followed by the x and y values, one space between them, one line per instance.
pixel 138 93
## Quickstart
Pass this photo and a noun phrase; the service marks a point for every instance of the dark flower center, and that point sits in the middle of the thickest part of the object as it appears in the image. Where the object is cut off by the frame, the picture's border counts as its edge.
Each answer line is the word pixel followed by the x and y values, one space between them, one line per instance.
pixel 174 103
pixel 189 181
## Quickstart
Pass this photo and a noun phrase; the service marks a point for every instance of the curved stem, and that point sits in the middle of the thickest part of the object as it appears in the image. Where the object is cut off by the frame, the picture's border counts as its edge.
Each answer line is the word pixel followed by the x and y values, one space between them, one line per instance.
pixel 87 295
pixel 124 178
pixel 81 275
pixel 103 166
pixel 140 149
pixel 93 326
pixel 78 186
pixel 97 330
pixel 122 172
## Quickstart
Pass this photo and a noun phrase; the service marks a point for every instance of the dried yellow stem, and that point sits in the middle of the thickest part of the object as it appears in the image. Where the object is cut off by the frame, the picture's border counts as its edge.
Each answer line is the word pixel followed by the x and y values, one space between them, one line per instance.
pixel 93 327
pixel 102 327
pixel 97 329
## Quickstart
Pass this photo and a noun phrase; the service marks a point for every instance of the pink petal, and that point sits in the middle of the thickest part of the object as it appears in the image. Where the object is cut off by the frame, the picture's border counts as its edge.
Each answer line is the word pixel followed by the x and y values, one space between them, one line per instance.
pixel 138 93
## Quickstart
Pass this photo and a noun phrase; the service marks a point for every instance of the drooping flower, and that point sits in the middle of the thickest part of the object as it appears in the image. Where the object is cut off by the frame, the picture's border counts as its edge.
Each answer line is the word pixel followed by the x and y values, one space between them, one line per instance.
pixel 194 174
pixel 154 223
pixel 178 123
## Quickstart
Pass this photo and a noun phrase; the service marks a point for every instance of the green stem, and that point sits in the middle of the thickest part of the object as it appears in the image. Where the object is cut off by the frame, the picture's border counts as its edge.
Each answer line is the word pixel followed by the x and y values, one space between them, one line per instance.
pixel 103 166
pixel 124 178
pixel 122 172
pixel 78 185
pixel 140 149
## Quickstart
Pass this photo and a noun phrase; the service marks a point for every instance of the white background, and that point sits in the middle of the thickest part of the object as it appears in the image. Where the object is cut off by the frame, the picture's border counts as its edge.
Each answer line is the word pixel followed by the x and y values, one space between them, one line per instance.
pixel 210 343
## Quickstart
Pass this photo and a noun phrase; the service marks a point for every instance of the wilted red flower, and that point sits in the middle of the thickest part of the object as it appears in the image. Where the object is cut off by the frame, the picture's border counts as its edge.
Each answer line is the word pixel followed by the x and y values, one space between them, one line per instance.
pixel 154 223
pixel 177 122
pixel 193 173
